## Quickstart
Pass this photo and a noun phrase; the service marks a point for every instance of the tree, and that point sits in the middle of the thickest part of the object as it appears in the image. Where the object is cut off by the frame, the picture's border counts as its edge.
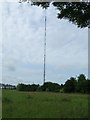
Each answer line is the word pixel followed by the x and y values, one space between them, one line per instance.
pixel 81 78
pixel 81 87
pixel 23 87
pixel 50 87
pixel 76 12
pixel 70 85
pixel 88 86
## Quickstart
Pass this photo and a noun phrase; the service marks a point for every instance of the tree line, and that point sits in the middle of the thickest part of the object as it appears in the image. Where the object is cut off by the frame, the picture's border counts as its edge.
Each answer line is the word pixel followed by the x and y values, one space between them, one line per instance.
pixel 7 86
pixel 72 85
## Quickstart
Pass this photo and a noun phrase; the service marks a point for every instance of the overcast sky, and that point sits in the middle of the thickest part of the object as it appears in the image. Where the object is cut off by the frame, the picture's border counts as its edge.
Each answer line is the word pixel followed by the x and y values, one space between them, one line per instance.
pixel 23 44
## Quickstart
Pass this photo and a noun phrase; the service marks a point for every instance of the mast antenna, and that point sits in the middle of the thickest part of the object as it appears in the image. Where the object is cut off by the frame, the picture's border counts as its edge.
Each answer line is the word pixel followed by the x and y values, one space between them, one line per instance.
pixel 44 76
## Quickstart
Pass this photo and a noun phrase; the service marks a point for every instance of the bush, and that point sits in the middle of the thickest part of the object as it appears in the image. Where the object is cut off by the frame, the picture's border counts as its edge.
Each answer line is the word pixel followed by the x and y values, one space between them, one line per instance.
pixel 50 87
pixel 23 87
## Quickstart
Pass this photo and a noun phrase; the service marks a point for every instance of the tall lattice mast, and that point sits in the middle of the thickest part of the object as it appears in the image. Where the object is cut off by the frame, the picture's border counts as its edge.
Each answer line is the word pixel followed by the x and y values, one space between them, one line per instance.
pixel 44 76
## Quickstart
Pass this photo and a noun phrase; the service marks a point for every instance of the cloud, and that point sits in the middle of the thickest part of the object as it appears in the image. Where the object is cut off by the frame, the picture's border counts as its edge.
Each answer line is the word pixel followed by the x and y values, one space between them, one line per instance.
pixel 0 43
pixel 23 43
pixel 11 68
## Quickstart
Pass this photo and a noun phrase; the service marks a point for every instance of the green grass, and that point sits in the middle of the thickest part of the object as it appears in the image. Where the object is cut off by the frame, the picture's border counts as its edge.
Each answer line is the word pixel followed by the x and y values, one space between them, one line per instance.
pixel 43 105
pixel 0 103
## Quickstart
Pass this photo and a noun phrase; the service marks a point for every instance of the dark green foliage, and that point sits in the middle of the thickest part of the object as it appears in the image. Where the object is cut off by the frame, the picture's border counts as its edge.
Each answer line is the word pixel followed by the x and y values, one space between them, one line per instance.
pixel 33 2
pixel 48 86
pixel 23 87
pixel 81 77
pixel 70 85
pixel 42 4
pixel 88 86
pixel 51 87
pixel 82 84
pixel 76 12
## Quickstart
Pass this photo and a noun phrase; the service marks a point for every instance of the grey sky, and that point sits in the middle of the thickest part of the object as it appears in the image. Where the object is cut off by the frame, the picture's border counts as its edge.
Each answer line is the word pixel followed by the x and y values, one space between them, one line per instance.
pixel 23 40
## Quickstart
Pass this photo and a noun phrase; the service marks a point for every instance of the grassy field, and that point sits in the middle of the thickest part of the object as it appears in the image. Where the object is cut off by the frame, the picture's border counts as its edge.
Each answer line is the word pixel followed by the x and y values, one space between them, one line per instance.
pixel 0 103
pixel 43 105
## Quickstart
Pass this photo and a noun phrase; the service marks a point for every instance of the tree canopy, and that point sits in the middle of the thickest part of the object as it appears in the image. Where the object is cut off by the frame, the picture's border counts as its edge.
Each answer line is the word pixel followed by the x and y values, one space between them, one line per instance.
pixel 70 85
pixel 76 12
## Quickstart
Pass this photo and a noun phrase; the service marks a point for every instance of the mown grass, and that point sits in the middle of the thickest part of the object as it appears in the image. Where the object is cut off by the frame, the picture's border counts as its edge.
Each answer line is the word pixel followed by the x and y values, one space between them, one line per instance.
pixel 43 105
